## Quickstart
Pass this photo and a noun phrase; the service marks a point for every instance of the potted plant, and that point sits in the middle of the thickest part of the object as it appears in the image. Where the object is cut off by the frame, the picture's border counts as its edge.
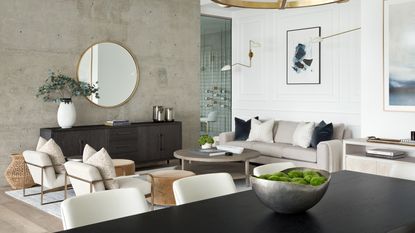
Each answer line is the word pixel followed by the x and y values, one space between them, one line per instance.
pixel 206 141
pixel 60 88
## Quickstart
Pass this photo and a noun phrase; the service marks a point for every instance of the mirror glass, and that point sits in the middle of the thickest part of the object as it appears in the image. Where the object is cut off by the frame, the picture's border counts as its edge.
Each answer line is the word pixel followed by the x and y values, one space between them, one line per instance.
pixel 113 69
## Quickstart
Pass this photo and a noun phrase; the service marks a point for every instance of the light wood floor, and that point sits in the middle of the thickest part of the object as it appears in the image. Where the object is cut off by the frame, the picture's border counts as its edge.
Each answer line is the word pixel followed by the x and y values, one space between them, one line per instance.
pixel 17 216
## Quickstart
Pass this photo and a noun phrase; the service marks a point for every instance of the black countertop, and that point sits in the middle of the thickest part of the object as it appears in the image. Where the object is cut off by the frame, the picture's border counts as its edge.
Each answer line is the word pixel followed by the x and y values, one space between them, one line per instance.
pixel 354 203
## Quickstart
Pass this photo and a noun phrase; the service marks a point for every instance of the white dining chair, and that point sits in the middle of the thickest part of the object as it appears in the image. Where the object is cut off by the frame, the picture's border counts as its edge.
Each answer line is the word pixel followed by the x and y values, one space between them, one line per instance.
pixel 403 171
pixel 102 206
pixel 200 187
pixel 272 168
pixel 211 117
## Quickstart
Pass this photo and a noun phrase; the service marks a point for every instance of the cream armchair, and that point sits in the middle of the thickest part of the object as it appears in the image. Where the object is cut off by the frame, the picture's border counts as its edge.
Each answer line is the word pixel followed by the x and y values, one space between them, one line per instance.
pixel 42 171
pixel 86 179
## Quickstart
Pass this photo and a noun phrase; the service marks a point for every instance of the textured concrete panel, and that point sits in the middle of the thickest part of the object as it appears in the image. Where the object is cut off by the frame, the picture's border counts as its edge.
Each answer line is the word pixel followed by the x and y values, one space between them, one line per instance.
pixel 38 35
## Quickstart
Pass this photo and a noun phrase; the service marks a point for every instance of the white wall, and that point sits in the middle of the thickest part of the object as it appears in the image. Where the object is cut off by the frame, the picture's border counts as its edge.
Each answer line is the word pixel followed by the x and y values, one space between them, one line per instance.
pixel 376 121
pixel 262 90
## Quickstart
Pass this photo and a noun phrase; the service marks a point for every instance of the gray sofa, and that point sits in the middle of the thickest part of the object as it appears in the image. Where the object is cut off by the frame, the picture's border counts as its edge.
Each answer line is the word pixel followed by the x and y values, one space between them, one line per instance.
pixel 327 156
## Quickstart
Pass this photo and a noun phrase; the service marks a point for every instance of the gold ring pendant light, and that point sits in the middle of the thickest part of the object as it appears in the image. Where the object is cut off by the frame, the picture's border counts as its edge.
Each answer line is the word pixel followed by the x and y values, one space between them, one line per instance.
pixel 275 4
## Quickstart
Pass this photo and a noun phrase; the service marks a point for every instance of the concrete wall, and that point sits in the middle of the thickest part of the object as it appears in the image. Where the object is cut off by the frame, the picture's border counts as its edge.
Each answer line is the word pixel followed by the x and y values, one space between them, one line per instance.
pixel 37 35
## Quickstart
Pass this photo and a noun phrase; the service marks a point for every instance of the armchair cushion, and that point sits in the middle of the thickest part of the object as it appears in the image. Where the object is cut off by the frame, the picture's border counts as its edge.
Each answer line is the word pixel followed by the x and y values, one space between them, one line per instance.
pixel 134 182
pixel 85 172
pixel 55 155
pixel 40 143
pixel 103 162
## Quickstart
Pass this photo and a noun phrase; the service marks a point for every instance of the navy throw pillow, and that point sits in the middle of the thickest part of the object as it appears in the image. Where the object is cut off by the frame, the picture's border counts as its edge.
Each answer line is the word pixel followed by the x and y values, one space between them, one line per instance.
pixel 322 132
pixel 242 129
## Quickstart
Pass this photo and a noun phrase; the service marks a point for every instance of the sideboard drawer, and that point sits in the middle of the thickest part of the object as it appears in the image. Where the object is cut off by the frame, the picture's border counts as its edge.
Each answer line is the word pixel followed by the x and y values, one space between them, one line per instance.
pixel 122 147
pixel 123 134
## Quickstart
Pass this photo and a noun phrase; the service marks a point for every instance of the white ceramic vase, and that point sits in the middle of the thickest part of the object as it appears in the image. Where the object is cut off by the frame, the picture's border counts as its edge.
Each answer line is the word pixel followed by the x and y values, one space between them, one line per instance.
pixel 66 114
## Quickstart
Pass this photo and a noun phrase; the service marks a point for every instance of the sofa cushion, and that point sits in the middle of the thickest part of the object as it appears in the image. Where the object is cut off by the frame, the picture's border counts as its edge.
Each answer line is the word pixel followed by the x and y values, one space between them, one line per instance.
pixel 338 131
pixel 285 131
pixel 261 131
pixel 242 129
pixel 303 134
pixel 244 144
pixel 301 154
pixel 270 149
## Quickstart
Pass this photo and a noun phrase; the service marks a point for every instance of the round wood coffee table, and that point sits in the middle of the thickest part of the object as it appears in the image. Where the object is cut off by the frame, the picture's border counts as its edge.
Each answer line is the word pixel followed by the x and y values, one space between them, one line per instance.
pixel 124 167
pixel 162 185
pixel 193 155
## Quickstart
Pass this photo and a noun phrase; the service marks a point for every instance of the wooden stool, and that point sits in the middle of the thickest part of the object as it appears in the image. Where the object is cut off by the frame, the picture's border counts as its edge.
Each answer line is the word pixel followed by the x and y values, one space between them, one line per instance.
pixel 162 185
pixel 124 167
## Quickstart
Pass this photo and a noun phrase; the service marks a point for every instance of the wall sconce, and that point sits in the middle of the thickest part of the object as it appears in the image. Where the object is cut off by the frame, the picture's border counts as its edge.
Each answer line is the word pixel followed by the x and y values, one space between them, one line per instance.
pixel 320 39
pixel 252 44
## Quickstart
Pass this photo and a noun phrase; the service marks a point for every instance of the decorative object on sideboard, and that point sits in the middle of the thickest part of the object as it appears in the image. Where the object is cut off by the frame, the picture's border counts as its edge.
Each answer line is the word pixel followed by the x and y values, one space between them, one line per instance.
pixel 169 114
pixel 303 56
pixel 60 88
pixel 114 69
pixel 158 112
pixel 15 175
pixel 252 44
pixel 206 141
pixel 291 197
pixel 117 123
pixel 275 4
pixel 412 135
pixel 399 71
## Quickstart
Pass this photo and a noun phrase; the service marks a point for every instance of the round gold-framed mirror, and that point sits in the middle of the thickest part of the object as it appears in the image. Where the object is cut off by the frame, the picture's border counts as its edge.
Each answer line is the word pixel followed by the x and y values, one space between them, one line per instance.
pixel 113 69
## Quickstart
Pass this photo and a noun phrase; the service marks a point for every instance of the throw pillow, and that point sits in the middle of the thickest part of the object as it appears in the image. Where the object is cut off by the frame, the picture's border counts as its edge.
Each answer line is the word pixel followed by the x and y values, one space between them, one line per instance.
pixel 40 143
pixel 88 152
pixel 261 131
pixel 302 134
pixel 55 155
pixel 285 131
pixel 103 162
pixel 242 129
pixel 322 132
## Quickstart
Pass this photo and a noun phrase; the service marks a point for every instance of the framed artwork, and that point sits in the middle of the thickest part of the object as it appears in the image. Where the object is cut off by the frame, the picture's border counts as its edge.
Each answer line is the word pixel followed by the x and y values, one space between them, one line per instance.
pixel 303 56
pixel 399 55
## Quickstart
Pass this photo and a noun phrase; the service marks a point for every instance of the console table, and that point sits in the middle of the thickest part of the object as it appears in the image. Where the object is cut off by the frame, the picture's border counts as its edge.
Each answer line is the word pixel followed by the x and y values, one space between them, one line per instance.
pixel 140 142
pixel 355 159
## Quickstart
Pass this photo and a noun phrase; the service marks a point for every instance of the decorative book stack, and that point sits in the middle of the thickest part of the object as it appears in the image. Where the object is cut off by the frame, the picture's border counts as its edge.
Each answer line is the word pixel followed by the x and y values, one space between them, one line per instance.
pixel 117 123
pixel 385 153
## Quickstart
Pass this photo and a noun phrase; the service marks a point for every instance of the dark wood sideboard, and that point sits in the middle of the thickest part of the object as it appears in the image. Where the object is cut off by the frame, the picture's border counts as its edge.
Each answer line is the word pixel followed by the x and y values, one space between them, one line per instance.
pixel 141 142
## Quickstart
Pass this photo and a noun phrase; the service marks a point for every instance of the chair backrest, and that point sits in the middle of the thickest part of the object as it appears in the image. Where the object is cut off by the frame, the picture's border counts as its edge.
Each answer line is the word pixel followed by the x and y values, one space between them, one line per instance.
pixel 102 206
pixel 272 168
pixel 196 188
pixel 403 171
pixel 85 172
pixel 40 159
pixel 212 116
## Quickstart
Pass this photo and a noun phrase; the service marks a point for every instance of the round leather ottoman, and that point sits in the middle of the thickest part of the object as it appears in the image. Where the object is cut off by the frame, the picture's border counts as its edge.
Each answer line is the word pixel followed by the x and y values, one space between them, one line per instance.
pixel 124 167
pixel 162 184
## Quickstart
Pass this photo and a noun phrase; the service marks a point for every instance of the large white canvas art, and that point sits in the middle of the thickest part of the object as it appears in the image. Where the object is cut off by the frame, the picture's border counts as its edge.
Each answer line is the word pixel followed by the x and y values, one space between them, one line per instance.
pixel 399 55
pixel 303 56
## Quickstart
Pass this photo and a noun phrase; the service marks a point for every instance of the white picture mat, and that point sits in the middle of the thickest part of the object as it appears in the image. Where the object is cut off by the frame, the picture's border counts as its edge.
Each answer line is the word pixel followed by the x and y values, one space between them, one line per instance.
pixel 399 52
pixel 304 36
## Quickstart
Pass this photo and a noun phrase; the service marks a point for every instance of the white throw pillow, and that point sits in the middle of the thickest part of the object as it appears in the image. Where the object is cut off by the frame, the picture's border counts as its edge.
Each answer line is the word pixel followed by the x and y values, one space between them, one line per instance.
pixel 41 142
pixel 88 152
pixel 261 131
pixel 303 134
pixel 103 162
pixel 55 154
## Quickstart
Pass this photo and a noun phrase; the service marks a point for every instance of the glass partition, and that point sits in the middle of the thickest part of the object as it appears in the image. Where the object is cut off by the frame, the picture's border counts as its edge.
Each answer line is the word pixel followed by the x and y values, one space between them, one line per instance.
pixel 216 85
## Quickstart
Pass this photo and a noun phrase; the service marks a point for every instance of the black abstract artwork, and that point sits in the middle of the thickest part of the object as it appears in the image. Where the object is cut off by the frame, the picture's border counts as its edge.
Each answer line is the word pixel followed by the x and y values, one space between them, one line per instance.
pixel 303 56
pixel 300 62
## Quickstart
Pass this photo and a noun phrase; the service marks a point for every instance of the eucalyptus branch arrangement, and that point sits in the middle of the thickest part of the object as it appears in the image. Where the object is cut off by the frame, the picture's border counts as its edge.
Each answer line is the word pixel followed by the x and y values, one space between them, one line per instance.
pixel 60 87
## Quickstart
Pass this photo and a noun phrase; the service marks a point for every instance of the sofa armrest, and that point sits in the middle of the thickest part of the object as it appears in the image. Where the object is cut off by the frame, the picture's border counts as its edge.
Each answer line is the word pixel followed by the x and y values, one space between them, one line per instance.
pixel 226 137
pixel 329 154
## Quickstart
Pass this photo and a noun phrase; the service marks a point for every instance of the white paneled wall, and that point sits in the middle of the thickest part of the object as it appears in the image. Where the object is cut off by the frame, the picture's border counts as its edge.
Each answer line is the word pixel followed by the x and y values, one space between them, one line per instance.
pixel 262 90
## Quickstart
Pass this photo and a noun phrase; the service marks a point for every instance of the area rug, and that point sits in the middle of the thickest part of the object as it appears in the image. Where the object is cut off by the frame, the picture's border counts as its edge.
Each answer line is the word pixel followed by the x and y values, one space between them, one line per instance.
pixel 54 208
